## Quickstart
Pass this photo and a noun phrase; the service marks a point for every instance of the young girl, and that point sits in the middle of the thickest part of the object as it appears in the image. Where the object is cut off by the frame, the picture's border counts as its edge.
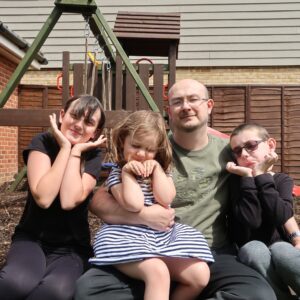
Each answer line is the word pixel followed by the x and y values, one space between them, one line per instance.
pixel 51 243
pixel 143 155
pixel 262 221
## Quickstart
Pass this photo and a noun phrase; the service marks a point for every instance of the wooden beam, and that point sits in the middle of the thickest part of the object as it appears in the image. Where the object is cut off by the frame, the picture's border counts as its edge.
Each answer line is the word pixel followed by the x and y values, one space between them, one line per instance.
pixel 66 75
pixel 84 7
pixel 26 117
pixel 40 117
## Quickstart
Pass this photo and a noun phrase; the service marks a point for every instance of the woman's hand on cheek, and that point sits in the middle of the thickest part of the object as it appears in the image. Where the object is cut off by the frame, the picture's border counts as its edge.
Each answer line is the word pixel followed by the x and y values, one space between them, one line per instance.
pixel 60 138
pixel 82 147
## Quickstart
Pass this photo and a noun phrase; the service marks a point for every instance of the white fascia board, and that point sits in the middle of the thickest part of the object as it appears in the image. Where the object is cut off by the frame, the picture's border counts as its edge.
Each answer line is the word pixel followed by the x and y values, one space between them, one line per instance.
pixel 16 53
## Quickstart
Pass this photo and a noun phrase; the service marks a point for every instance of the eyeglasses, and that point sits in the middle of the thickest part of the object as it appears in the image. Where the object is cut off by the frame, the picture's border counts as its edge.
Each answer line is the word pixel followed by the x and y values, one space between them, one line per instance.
pixel 193 102
pixel 249 146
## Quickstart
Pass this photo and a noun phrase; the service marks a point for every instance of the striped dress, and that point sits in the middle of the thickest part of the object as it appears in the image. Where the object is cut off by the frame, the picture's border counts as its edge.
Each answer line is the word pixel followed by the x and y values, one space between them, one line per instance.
pixel 115 244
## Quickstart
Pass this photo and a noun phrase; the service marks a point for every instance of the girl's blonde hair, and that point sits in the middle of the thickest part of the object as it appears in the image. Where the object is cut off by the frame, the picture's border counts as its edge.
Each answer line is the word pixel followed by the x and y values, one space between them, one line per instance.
pixel 142 123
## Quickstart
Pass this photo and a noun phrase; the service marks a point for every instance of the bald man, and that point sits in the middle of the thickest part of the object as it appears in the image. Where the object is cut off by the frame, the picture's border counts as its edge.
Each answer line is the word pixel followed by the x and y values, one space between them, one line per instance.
pixel 201 201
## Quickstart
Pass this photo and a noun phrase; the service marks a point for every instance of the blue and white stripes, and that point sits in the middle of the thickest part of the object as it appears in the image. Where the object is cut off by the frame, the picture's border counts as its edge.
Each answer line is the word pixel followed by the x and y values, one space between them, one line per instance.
pixel 116 244
pixel 125 243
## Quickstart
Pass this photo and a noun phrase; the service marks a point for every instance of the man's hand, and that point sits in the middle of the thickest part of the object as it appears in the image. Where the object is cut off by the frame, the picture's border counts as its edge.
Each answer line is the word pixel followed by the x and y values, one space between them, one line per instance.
pixel 158 217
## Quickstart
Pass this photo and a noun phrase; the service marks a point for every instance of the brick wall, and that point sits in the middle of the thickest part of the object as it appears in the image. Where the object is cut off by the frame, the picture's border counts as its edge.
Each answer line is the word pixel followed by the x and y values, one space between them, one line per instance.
pixel 212 76
pixel 42 77
pixel 8 135
pixel 246 75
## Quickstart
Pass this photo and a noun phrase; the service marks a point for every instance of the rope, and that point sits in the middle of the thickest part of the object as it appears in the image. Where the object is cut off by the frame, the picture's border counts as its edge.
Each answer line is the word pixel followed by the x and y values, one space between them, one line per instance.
pixel 94 68
pixel 106 98
pixel 103 86
pixel 109 79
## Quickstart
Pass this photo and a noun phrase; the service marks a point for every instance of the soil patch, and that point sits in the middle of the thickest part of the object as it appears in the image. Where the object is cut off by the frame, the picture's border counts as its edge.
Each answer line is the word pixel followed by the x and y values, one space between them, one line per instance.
pixel 11 209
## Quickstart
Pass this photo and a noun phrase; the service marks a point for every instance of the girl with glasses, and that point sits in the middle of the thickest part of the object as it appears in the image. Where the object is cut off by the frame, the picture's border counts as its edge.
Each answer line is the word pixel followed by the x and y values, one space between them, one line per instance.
pixel 261 217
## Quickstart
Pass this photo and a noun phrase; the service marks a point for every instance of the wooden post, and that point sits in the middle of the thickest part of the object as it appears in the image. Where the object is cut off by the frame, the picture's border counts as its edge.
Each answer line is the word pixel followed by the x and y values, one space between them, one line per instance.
pixel 66 79
pixel 119 83
pixel 158 82
pixel 144 74
pixel 172 64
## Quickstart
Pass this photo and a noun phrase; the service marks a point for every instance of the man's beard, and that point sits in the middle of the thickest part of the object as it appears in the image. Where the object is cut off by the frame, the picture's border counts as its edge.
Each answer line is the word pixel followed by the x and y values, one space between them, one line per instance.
pixel 192 127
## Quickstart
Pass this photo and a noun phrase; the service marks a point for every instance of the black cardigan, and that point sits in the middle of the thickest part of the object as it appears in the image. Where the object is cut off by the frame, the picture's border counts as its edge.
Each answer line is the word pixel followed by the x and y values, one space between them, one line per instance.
pixel 259 207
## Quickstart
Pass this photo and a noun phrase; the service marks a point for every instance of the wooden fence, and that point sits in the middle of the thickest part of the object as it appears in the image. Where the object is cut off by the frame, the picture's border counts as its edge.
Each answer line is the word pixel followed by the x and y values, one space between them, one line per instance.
pixel 275 107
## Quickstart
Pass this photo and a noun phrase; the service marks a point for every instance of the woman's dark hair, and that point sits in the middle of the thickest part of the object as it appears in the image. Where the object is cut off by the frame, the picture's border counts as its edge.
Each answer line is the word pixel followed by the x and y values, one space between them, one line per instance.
pixel 87 106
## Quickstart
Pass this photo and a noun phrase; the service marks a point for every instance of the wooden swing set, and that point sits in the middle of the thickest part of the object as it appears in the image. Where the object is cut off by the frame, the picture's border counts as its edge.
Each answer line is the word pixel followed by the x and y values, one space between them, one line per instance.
pixel 116 58
pixel 101 30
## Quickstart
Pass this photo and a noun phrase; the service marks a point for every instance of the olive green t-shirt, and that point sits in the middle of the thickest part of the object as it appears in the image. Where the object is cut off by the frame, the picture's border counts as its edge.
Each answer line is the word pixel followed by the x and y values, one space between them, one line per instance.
pixel 201 182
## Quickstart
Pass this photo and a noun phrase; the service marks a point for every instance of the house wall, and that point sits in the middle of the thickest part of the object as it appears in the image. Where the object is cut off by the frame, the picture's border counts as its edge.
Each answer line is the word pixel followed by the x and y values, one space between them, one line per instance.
pixel 213 32
pixel 8 135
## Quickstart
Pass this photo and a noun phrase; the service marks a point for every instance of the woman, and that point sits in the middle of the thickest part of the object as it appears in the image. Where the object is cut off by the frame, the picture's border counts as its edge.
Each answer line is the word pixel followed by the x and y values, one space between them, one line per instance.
pixel 51 243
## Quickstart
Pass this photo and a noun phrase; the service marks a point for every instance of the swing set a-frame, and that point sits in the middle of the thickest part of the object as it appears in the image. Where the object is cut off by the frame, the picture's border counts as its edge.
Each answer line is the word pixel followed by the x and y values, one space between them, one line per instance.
pixel 113 51
pixel 100 29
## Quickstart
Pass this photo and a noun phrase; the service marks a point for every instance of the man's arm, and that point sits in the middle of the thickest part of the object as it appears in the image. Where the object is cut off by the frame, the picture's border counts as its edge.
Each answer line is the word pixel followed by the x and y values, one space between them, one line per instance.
pixel 104 206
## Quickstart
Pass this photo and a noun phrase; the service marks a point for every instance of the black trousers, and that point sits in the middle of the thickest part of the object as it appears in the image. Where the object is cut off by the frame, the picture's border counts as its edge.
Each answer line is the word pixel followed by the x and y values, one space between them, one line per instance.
pixel 32 274
pixel 230 280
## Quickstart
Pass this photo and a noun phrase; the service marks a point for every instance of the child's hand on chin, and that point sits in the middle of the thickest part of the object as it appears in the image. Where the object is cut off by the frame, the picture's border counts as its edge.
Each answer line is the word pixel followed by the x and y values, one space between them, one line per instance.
pixel 266 166
pixel 233 168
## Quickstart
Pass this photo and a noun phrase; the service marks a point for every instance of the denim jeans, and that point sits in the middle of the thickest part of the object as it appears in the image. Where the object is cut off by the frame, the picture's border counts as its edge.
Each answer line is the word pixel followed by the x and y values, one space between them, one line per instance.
pixel 279 265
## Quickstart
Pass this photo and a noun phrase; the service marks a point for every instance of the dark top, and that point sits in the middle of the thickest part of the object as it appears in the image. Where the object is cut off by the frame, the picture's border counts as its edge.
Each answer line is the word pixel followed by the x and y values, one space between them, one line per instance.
pixel 260 207
pixel 55 227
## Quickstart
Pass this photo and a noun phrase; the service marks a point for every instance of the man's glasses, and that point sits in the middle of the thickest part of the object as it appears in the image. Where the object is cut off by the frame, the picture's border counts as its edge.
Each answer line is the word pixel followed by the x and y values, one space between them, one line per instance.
pixel 249 146
pixel 193 102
